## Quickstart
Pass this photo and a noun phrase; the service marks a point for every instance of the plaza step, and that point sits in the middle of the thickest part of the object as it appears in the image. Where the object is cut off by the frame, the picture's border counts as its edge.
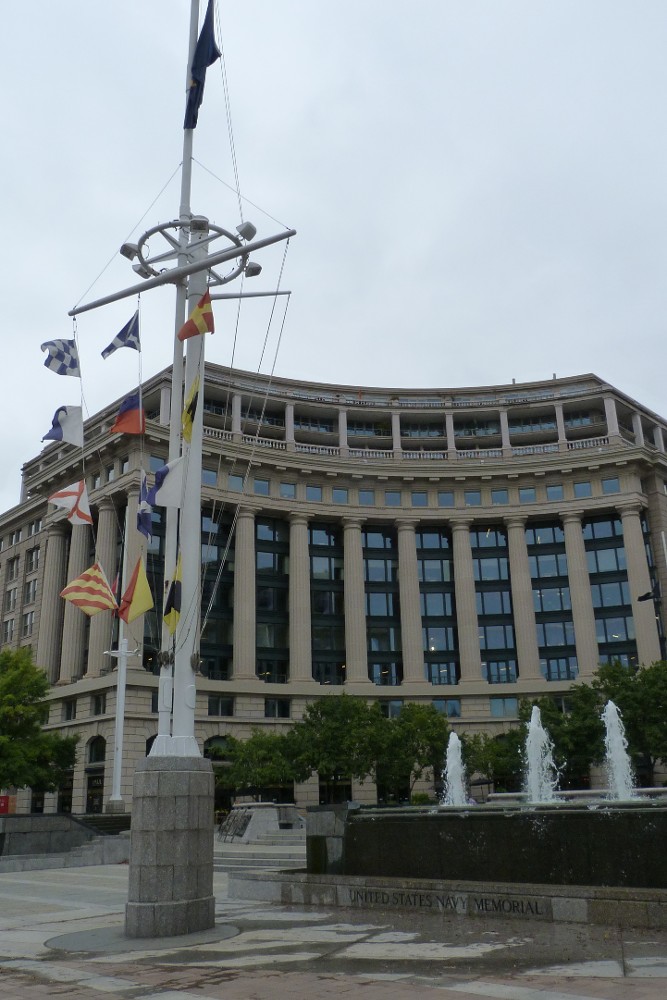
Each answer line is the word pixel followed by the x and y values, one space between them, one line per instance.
pixel 106 824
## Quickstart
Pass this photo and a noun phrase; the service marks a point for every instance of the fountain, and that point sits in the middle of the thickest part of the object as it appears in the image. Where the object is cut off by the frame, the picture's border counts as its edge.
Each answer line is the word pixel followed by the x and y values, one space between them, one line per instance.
pixel 620 778
pixel 541 777
pixel 454 775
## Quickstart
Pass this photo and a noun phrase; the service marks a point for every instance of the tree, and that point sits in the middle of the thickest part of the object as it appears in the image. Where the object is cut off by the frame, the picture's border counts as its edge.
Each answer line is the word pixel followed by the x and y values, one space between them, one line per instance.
pixel 29 757
pixel 412 746
pixel 577 733
pixel 641 697
pixel 264 760
pixel 497 758
pixel 338 737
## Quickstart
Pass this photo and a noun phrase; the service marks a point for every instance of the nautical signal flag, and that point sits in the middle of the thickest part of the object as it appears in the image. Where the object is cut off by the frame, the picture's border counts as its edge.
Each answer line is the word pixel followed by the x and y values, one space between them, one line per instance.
pixel 190 410
pixel 67 426
pixel 168 489
pixel 74 499
pixel 144 510
pixel 201 319
pixel 172 606
pixel 131 417
pixel 91 592
pixel 137 599
pixel 205 54
pixel 128 337
pixel 63 357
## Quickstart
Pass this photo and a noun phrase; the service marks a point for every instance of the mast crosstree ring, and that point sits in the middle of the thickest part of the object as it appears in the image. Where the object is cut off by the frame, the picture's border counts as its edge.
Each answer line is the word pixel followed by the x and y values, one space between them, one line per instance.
pixel 176 234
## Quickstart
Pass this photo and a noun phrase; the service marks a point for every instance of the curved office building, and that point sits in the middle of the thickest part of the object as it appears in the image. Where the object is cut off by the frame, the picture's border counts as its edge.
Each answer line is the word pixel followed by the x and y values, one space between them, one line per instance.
pixel 460 547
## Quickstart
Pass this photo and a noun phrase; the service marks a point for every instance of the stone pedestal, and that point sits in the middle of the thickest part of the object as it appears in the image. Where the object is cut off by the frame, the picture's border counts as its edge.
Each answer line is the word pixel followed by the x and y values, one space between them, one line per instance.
pixel 171 849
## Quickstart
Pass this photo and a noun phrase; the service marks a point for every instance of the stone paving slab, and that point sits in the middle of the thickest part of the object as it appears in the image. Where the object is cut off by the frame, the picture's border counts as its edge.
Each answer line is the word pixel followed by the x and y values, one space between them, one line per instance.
pixel 61 936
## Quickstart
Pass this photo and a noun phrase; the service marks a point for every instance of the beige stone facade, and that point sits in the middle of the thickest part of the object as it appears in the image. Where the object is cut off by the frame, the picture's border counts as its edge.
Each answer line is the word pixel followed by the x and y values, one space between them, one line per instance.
pixel 465 547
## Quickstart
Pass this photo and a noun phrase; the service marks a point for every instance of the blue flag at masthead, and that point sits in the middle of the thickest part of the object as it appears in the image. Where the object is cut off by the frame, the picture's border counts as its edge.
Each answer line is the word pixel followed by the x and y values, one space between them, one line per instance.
pixel 206 53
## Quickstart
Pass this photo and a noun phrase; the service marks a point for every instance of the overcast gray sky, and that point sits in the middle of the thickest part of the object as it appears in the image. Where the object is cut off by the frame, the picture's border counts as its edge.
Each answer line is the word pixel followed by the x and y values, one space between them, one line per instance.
pixel 478 188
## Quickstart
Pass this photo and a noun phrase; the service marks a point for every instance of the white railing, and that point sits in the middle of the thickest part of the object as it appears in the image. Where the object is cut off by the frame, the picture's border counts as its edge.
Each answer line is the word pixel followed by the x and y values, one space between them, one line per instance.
pixel 317 449
pixel 215 432
pixel 370 453
pixel 441 456
pixel 597 442
pixel 264 442
pixel 534 449
pixel 480 453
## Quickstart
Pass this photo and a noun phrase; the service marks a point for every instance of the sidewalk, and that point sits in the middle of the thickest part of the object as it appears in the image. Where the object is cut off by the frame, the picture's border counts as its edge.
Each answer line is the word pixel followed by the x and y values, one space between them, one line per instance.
pixel 61 935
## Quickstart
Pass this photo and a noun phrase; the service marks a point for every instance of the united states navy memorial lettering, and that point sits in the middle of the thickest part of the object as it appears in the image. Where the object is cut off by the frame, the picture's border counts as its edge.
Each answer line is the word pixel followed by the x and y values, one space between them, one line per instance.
pixel 462 904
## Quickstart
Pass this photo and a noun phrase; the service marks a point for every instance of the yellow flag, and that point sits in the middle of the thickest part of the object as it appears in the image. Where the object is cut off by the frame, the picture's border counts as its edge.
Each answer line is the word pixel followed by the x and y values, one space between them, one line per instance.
pixel 190 410
pixel 137 599
pixel 172 606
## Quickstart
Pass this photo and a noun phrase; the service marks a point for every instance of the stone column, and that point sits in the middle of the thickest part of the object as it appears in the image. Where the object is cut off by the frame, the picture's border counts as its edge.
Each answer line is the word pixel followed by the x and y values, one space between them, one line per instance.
pixel 236 417
pixel 525 631
pixel 52 605
pixel 289 426
pixel 396 434
pixel 611 416
pixel 245 640
pixel 560 424
pixel 658 439
pixel 105 554
pixel 637 428
pixel 466 603
pixel 74 620
pixel 411 620
pixel 300 637
pixel 449 431
pixel 583 616
pixel 639 582
pixel 505 432
pixel 355 604
pixel 342 432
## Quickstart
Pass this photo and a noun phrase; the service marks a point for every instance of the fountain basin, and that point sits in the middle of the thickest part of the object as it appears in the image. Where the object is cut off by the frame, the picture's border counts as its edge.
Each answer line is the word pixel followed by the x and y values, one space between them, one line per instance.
pixel 618 844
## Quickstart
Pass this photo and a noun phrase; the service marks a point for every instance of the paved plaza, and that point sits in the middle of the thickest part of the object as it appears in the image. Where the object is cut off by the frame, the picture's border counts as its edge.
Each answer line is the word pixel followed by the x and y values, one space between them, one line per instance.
pixel 61 935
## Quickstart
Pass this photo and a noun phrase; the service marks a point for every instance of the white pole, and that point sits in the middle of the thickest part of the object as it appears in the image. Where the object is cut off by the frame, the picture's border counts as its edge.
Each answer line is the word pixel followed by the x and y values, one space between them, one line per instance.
pixel 121 680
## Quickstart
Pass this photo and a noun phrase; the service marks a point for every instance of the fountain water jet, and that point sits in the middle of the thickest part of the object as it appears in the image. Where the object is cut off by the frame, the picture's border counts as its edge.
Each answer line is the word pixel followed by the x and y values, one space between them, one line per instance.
pixel 454 774
pixel 541 779
pixel 620 778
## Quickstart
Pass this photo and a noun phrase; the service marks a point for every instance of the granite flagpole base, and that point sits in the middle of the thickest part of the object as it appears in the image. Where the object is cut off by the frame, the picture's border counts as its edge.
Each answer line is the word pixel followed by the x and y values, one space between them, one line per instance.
pixel 171 848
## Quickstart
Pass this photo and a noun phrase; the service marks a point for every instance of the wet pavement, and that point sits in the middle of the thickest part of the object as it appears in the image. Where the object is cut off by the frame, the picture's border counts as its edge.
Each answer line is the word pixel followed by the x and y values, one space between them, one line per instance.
pixel 61 935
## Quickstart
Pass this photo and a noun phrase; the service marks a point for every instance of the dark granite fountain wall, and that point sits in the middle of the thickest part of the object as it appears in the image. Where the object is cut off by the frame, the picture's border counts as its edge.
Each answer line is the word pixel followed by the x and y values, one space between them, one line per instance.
pixel 610 845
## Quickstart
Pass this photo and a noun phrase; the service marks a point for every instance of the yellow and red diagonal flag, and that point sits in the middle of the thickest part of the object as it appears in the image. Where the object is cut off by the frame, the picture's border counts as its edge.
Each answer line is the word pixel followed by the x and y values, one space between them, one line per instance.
pixel 201 319
pixel 91 592
pixel 137 598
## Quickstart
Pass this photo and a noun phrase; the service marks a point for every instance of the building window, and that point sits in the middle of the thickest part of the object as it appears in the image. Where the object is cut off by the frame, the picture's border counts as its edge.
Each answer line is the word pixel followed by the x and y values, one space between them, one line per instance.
pixel 328 672
pixel 15 536
pixel 314 493
pixel 209 477
pixel 155 702
pixel 559 668
pixel 288 491
pixel 445 498
pixel 13 568
pixel 11 598
pixel 272 671
pixel 27 624
pixel 582 490
pixel 156 462
pixel 220 705
pixel 555 491
pixel 32 560
pixel 261 487
pixel 392 498
pixel 451 707
pixel 8 630
pixel 527 494
pixel 69 710
pixel 472 498
pixel 611 485
pixel 442 673
pixel 29 593
pixel 391 709
pixel 35 526
pixel 97 480
pixel 98 704
pixel 499 671
pixel 500 497
pixel 277 708
pixel 340 495
pixel 235 482
pixel 386 674
pixel 419 498
pixel 367 498
pixel 504 708
pixel 110 473
pixel 124 465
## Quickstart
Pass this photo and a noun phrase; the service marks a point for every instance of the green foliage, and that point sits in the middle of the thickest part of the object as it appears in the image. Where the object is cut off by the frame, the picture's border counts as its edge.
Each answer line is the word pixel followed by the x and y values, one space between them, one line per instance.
pixel 263 760
pixel 641 697
pixel 411 746
pixel 338 737
pixel 29 757
pixel 497 758
pixel 421 799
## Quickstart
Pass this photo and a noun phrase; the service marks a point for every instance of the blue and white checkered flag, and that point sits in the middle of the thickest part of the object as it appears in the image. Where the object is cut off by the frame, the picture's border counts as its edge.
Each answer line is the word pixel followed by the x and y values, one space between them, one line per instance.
pixel 128 337
pixel 63 357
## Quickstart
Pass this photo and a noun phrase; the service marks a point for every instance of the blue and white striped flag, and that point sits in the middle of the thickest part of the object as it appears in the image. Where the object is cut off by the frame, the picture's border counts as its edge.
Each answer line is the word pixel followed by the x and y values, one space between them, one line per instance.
pixel 144 510
pixel 128 337
pixel 168 489
pixel 63 357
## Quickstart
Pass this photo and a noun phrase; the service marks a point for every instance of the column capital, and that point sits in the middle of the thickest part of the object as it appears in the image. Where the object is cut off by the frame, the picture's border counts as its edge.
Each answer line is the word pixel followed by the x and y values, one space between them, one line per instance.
pixel 406 524
pixel 629 509
pixel 515 520
pixel 106 504
pixel 461 524
pixel 247 513
pixel 299 519
pixel 571 516
pixel 353 522
pixel 56 528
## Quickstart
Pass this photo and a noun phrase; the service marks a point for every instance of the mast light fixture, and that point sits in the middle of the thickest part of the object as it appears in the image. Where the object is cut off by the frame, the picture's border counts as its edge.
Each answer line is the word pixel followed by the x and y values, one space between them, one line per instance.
pixel 246 231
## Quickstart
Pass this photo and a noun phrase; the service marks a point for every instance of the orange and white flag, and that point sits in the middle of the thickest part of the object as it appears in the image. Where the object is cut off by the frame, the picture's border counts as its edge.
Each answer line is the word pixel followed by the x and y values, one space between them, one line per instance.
pixel 201 319
pixel 74 499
